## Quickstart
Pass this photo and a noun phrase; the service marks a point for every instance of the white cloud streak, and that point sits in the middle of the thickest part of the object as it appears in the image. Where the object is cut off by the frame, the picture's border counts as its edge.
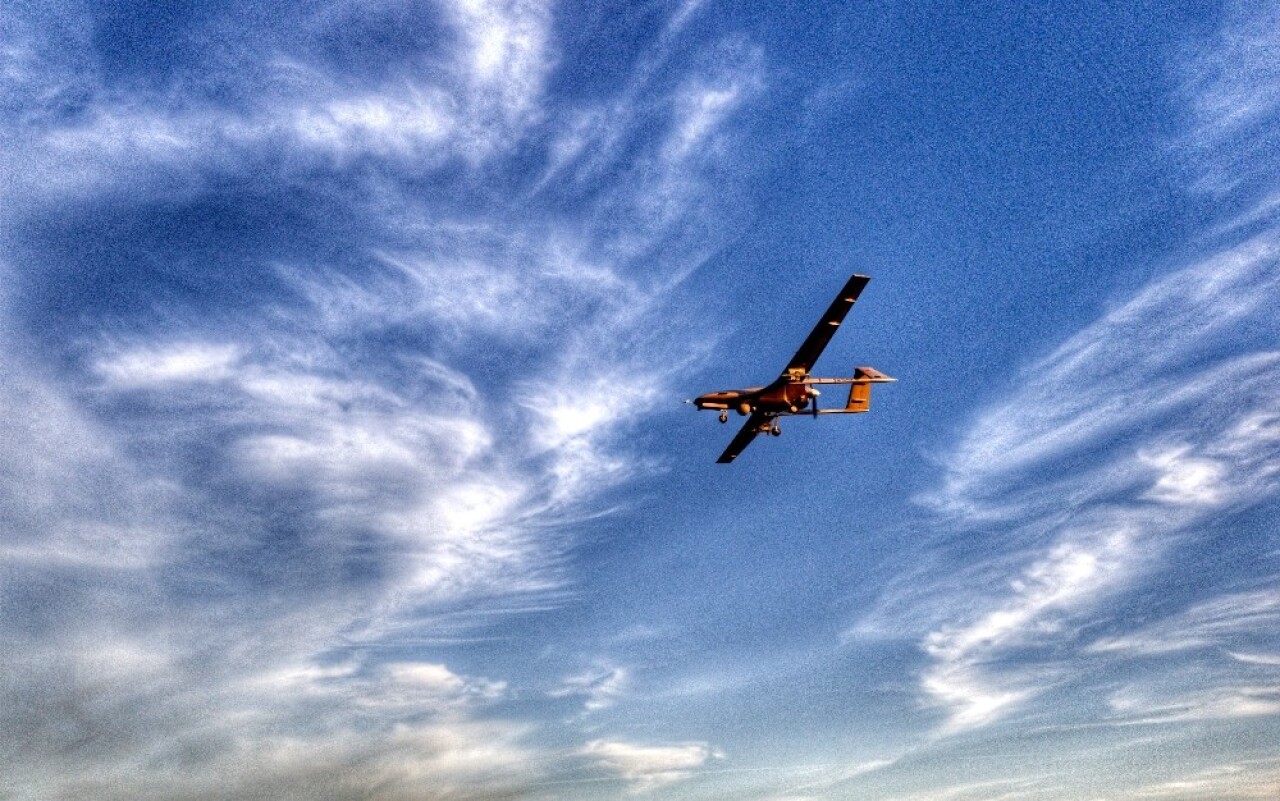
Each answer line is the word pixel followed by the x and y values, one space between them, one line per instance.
pixel 599 686
pixel 1217 703
pixel 647 767
pixel 1235 781
pixel 1218 622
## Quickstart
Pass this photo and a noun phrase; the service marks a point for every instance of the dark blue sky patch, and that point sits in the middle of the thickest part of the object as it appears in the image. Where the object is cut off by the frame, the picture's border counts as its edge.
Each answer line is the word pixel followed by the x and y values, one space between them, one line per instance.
pixel 151 44
pixel 150 262
pixel 376 43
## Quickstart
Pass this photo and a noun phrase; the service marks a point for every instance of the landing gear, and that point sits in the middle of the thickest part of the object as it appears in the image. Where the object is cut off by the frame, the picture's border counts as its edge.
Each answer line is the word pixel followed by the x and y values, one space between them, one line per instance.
pixel 776 429
pixel 724 415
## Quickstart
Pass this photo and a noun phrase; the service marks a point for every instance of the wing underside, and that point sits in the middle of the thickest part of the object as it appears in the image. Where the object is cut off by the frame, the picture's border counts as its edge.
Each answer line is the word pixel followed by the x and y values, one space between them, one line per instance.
pixel 743 438
pixel 821 334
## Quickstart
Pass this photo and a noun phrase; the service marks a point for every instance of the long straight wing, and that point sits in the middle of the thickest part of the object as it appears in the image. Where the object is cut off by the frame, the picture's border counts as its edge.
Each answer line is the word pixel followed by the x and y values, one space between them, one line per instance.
pixel 743 438
pixel 826 327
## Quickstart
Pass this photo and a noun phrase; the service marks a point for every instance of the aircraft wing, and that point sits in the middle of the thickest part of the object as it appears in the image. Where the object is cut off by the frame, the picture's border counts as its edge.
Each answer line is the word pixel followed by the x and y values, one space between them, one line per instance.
pixel 743 438
pixel 826 327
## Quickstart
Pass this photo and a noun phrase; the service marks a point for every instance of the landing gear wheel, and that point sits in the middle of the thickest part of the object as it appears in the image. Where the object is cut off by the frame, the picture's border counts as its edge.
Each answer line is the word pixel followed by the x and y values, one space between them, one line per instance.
pixel 724 416
pixel 776 430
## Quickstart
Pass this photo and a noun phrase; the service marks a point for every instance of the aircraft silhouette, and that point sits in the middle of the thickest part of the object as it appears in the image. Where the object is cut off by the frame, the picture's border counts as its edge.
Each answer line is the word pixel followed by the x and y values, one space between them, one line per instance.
pixel 794 391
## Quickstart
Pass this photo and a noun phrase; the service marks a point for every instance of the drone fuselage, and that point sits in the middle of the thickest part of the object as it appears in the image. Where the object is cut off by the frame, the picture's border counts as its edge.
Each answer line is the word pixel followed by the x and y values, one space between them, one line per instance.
pixel 783 396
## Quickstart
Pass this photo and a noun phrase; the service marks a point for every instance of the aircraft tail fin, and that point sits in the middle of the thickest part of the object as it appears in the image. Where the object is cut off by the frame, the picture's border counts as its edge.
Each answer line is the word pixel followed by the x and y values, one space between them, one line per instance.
pixel 860 389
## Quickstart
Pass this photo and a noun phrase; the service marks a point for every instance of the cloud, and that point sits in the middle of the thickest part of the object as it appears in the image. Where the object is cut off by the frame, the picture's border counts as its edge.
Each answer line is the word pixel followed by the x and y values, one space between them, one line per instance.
pixel 322 407
pixel 599 687
pixel 1120 447
pixel 380 124
pixel 1223 621
pixel 1235 781
pixel 1205 663
pixel 1127 362
pixel 46 66
pixel 1229 87
pixel 1216 703
pixel 507 53
pixel 831 777
pixel 1116 447
pixel 177 362
pixel 74 500
pixel 1071 574
pixel 1256 659
pixel 1098 462
pixel 1184 479
pixel 704 108
pixel 408 458
pixel 648 766
pixel 314 731
pixel 991 790
pixel 474 103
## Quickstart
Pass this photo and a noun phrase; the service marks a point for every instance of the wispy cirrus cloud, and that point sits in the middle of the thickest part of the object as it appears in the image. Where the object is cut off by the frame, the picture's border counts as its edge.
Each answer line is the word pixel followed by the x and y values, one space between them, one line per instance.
pixel 961 679
pixel 75 132
pixel 1212 661
pixel 1135 705
pixel 272 468
pixel 1103 459
pixel 1237 781
pixel 1110 455
pixel 304 415
pixel 1226 621
pixel 993 790
pixel 1228 84
pixel 599 686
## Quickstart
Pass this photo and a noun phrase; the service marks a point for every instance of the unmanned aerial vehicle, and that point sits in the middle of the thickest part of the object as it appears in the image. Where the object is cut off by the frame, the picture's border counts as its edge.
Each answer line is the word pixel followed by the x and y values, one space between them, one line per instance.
pixel 795 391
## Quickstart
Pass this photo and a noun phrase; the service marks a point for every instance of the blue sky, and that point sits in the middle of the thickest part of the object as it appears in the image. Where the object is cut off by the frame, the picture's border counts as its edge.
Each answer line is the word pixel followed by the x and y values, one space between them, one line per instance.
pixel 342 348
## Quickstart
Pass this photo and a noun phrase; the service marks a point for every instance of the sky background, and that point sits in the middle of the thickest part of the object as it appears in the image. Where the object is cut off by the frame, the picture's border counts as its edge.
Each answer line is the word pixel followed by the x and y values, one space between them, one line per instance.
pixel 342 352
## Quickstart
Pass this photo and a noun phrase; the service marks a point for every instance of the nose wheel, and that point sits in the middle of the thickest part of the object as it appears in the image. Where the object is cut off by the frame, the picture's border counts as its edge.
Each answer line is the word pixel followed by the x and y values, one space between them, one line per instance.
pixel 776 429
pixel 724 416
